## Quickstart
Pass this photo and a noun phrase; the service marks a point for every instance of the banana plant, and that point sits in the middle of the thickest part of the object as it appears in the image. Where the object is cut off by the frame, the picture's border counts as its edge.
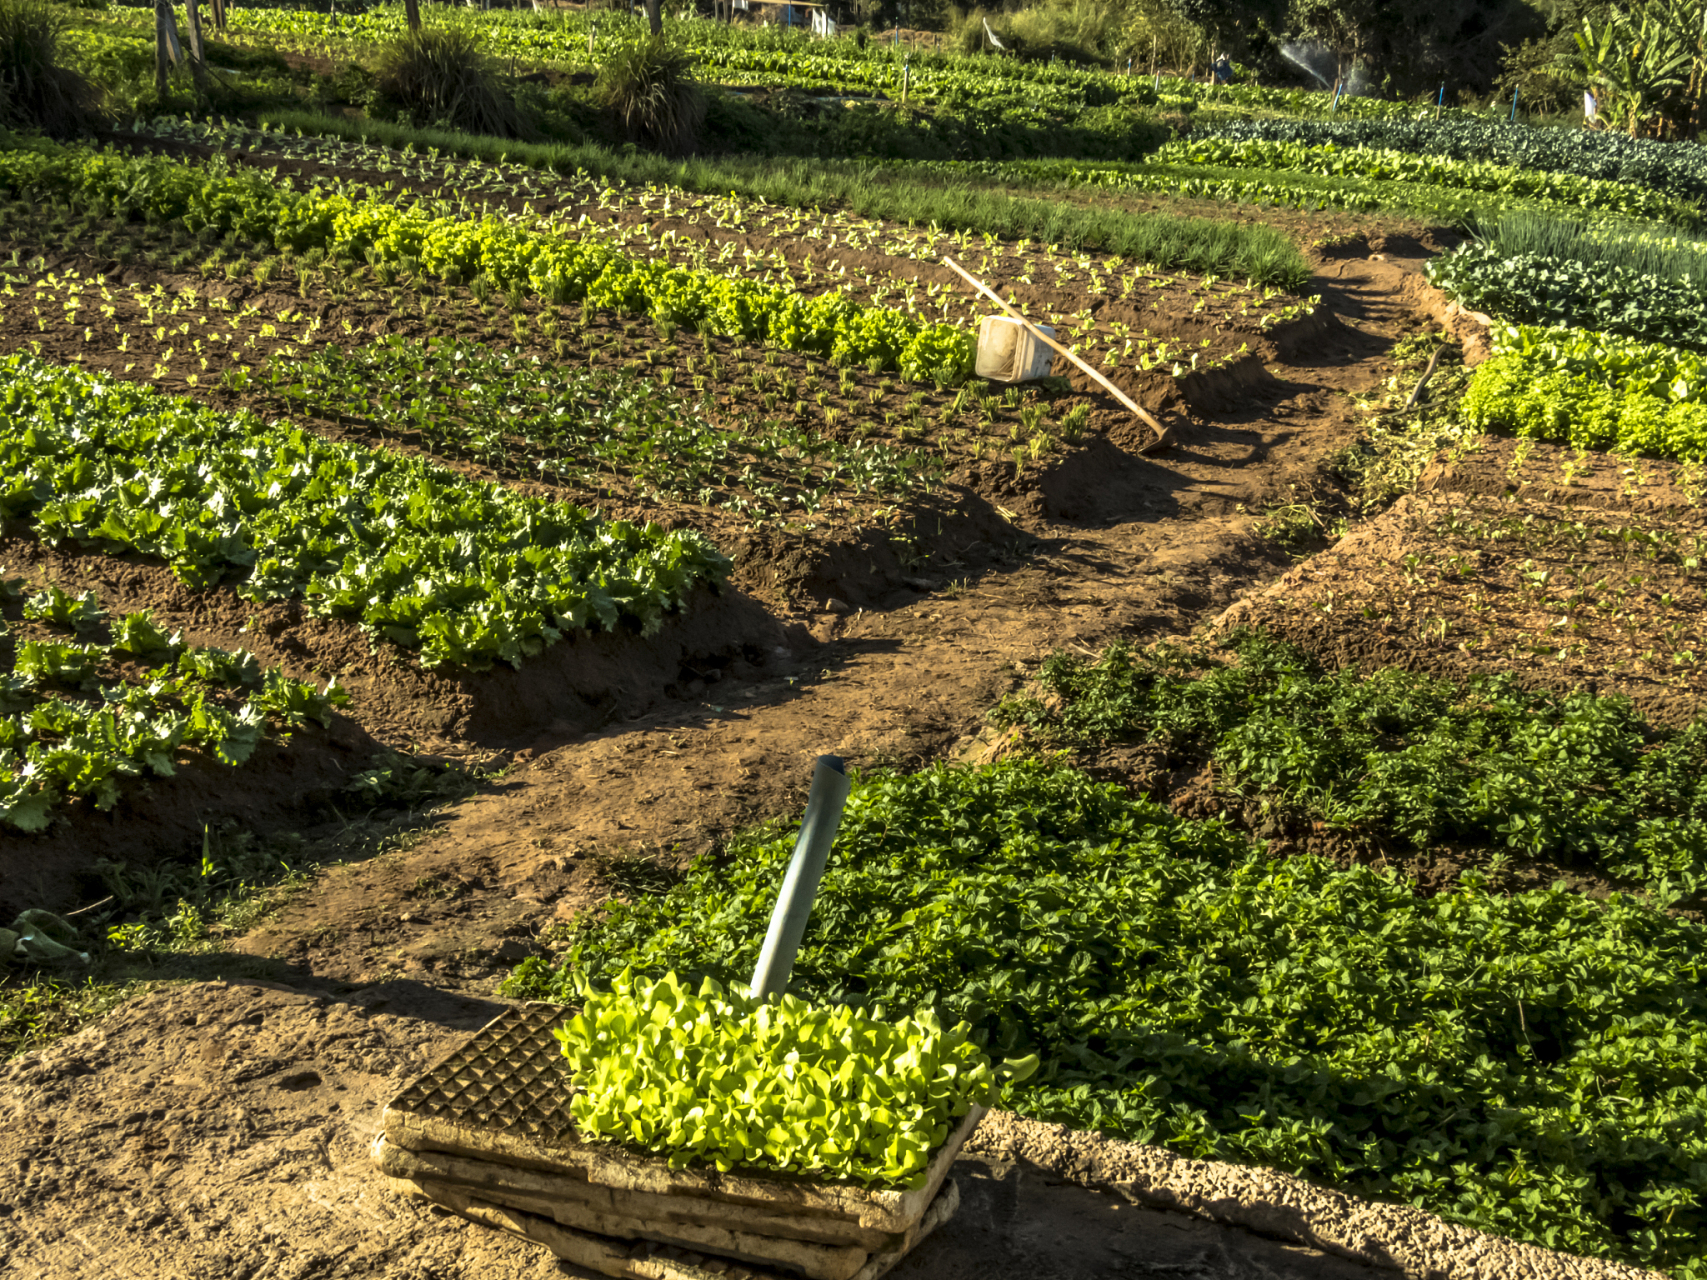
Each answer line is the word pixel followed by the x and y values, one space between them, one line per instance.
pixel 1645 62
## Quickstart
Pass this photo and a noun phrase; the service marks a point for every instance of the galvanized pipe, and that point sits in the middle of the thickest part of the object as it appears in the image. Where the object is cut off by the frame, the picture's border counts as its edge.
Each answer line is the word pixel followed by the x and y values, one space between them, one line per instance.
pixel 830 787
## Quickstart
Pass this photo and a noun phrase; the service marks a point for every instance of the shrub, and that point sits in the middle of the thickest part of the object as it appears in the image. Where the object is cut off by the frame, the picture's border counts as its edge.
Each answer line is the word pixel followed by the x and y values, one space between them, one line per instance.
pixel 651 87
pixel 441 76
pixel 36 90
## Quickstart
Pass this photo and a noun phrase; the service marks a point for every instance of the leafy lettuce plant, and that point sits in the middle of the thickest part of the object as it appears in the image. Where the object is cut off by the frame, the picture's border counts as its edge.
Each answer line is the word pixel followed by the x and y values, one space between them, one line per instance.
pixel 465 571
pixel 719 1077
pixel 1592 390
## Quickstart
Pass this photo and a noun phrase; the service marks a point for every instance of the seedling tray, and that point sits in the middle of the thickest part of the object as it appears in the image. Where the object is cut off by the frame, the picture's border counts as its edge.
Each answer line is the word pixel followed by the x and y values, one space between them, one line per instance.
pixel 487 1133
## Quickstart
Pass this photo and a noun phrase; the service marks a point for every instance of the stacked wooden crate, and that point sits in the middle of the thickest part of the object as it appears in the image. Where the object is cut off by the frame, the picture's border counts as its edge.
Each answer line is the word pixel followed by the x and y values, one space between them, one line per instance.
pixel 487 1133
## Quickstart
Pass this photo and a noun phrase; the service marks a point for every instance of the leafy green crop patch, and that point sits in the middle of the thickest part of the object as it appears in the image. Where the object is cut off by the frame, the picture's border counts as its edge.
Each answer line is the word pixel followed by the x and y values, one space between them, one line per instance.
pixel 1562 190
pixel 1529 1064
pixel 569 425
pixel 718 1077
pixel 1600 154
pixel 79 719
pixel 1401 760
pixel 817 253
pixel 467 572
pixel 913 213
pixel 509 252
pixel 1593 391
pixel 1629 281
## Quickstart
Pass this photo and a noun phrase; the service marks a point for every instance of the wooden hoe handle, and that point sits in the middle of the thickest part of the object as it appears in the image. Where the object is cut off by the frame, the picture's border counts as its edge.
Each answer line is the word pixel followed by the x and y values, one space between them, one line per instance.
pixel 1044 338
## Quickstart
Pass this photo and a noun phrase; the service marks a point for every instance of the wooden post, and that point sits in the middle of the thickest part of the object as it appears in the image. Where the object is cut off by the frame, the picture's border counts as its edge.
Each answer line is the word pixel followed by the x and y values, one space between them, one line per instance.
pixel 162 58
pixel 1046 340
pixel 198 66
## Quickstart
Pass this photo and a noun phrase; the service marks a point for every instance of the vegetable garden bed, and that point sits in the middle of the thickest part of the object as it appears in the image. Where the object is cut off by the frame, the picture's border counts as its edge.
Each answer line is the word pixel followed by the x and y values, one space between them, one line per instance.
pixel 1560 567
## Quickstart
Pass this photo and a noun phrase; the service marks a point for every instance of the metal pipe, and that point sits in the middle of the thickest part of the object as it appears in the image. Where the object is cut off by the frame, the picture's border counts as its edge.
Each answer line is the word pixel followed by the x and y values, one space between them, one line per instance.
pixel 830 787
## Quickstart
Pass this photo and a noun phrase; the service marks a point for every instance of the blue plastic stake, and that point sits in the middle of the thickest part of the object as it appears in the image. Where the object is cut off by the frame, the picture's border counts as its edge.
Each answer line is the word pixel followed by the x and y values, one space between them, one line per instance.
pixel 830 787
pixel 1514 106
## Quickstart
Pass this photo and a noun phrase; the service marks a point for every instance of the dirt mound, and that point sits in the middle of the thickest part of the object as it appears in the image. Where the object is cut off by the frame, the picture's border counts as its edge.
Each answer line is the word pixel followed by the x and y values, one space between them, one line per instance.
pixel 1284 1207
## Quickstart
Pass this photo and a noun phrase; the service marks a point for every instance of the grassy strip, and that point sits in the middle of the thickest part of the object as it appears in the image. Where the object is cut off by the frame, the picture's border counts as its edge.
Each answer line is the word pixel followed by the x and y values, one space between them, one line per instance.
pixel 1402 760
pixel 1531 1064
pixel 1260 254
pixel 1663 252
pixel 1592 391
pixel 469 572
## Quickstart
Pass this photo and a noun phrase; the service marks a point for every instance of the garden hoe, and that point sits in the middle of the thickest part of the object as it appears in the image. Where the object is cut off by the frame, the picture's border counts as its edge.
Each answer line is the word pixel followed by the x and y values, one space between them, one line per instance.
pixel 1163 437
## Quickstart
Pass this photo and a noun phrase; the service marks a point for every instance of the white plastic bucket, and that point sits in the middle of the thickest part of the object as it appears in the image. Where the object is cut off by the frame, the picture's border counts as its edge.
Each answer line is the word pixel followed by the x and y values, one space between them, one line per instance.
pixel 1010 352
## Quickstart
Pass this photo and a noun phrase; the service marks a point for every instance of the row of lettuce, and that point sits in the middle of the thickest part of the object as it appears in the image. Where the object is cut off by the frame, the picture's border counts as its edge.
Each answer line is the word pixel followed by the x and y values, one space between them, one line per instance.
pixel 78 717
pixel 509 254
pixel 1598 335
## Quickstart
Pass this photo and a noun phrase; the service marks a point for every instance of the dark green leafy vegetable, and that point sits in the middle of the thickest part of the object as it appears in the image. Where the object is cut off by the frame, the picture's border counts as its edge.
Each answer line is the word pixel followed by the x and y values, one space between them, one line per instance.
pixel 1403 759
pixel 1533 1064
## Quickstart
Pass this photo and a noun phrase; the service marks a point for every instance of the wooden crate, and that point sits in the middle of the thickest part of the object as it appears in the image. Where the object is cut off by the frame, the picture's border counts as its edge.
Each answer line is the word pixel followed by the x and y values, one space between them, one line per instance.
pixel 487 1133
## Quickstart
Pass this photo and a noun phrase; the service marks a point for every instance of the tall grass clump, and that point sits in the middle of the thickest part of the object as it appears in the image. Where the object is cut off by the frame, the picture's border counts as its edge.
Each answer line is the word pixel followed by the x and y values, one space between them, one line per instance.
pixel 651 86
pixel 443 76
pixel 37 90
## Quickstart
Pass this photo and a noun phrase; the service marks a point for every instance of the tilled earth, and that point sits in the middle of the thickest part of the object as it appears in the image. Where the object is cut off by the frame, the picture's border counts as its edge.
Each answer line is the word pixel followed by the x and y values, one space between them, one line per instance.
pixel 220 1128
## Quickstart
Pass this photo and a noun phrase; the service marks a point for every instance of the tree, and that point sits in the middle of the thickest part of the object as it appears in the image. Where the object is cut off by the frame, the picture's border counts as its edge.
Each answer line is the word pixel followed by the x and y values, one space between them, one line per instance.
pixel 1415 44
pixel 1647 63
pixel 412 14
pixel 163 42
pixel 655 16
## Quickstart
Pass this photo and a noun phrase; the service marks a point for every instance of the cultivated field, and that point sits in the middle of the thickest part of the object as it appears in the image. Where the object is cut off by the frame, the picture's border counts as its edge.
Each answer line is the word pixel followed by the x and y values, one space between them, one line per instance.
pixel 436 549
